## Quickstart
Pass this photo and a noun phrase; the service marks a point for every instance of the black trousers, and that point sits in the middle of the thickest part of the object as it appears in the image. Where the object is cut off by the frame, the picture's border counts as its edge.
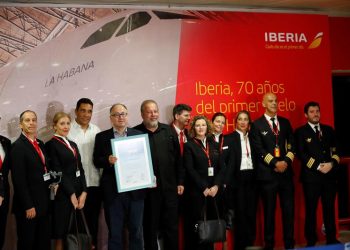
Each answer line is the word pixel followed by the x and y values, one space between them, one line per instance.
pixel 161 219
pixel 92 210
pixel 33 234
pixel 312 193
pixel 245 204
pixel 4 208
pixel 284 188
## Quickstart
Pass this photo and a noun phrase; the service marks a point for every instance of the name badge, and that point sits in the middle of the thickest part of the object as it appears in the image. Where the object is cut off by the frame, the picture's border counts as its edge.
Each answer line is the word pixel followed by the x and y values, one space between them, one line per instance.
pixel 224 147
pixel 277 152
pixel 210 171
pixel 47 177
pixel 77 173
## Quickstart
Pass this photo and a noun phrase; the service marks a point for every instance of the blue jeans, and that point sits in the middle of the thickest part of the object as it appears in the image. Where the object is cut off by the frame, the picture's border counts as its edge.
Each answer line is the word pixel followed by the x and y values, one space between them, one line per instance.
pixel 125 210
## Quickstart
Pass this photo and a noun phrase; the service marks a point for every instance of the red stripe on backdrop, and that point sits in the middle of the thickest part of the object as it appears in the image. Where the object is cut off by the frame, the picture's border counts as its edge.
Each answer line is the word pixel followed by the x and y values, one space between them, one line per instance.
pixel 226 66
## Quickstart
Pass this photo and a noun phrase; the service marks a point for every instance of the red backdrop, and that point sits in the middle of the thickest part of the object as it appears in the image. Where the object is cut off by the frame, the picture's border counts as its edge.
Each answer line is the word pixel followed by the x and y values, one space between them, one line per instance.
pixel 228 65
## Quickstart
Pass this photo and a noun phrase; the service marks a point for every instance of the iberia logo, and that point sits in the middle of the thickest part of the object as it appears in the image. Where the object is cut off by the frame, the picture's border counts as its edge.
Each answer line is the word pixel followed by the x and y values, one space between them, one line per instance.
pixel 317 41
pixel 291 40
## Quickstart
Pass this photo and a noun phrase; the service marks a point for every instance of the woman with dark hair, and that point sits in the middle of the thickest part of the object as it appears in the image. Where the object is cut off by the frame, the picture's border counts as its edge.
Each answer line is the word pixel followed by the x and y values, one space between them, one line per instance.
pixel 71 193
pixel 202 160
pixel 241 180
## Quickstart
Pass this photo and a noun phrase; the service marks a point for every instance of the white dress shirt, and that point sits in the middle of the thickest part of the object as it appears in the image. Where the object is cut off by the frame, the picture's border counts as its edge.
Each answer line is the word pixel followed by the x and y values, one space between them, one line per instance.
pixel 85 141
pixel 246 163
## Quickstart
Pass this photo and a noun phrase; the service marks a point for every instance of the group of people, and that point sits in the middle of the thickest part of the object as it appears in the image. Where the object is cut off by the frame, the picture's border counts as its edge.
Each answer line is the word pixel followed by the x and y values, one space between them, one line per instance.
pixel 196 167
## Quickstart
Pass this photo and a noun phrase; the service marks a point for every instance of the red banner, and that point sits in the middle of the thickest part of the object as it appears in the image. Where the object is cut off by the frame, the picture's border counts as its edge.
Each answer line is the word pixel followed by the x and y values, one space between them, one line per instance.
pixel 228 65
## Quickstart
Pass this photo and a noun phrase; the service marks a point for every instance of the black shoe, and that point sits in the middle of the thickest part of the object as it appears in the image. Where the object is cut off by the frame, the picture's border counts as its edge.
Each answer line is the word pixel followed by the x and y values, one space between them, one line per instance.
pixel 310 244
pixel 333 242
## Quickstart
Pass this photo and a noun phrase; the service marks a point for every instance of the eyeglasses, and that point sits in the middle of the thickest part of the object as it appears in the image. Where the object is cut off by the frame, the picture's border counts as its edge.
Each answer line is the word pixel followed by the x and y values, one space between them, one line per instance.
pixel 119 114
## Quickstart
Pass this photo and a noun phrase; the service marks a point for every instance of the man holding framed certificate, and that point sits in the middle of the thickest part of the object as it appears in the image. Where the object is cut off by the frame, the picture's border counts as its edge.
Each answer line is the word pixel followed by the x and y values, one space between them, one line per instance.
pixel 119 206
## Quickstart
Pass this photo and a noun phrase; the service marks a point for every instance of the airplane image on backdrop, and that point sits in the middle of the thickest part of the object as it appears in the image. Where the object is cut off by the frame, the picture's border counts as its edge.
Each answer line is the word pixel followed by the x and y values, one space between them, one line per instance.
pixel 127 57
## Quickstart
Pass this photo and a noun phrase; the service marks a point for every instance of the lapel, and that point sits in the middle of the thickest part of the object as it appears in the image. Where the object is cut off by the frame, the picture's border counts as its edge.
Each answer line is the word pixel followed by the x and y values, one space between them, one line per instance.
pixel 266 128
pixel 32 149
pixel 4 145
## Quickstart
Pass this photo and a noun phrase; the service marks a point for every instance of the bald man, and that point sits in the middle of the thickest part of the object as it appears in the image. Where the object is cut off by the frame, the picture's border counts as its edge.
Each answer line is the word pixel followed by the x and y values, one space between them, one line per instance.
pixel 272 137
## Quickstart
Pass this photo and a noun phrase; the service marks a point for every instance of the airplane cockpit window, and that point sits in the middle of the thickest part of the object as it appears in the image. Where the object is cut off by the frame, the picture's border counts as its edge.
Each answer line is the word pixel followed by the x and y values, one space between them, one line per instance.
pixel 103 34
pixel 134 21
pixel 169 15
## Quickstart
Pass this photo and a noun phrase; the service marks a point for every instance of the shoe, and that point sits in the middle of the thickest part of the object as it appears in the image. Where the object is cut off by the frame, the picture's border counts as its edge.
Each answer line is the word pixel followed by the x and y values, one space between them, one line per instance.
pixel 333 242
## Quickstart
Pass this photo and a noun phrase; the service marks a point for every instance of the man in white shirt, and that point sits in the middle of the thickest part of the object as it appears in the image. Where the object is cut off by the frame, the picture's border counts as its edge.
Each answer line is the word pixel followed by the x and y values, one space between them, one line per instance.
pixel 83 133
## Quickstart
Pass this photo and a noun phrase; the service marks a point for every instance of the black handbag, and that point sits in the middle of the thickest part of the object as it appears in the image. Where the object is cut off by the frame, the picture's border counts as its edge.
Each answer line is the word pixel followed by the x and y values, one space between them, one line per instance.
pixel 76 239
pixel 210 231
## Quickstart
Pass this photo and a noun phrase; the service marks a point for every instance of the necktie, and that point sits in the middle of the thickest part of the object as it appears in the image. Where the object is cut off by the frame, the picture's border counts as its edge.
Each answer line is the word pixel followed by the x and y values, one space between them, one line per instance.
pixel 37 148
pixel 274 126
pixel 318 134
pixel 181 142
pixel 0 163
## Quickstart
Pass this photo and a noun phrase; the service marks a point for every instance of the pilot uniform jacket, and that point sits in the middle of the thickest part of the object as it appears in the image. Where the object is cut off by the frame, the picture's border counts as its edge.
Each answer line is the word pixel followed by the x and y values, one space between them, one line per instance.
pixel 102 150
pixel 264 142
pixel 311 152
pixel 62 159
pixel 4 187
pixel 30 189
pixel 274 183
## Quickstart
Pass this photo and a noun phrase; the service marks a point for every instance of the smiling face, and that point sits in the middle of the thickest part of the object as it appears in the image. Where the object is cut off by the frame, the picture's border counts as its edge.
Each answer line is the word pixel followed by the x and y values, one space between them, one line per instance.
pixel 119 117
pixel 242 122
pixel 219 124
pixel 200 128
pixel 84 114
pixel 29 123
pixel 150 115
pixel 62 126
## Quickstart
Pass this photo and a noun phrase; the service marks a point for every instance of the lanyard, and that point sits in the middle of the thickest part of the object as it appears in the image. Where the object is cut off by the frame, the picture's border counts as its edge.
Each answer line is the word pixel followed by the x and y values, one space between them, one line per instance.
pixel 38 150
pixel 70 148
pixel 221 142
pixel 205 150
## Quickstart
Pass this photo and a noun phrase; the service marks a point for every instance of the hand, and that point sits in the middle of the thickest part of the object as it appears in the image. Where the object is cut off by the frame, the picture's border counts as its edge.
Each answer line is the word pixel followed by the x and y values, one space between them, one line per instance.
pixel 325 167
pixel 30 213
pixel 213 190
pixel 81 200
pixel 1 199
pixel 206 192
pixel 74 201
pixel 180 189
pixel 112 159
pixel 281 166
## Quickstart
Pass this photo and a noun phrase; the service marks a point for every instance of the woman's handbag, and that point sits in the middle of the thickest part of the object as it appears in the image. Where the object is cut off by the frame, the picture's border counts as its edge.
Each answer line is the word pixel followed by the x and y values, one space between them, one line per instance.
pixel 76 239
pixel 210 231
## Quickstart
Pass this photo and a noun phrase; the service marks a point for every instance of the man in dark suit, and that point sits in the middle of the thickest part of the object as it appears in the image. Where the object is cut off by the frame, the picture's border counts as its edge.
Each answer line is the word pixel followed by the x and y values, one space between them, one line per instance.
pixel 161 203
pixel 5 145
pixel 182 117
pixel 120 208
pixel 30 179
pixel 316 148
pixel 274 144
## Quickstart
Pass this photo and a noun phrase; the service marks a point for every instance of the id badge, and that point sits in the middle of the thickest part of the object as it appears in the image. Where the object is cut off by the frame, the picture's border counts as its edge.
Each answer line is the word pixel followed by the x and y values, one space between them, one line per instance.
pixel 77 173
pixel 277 152
pixel 210 171
pixel 47 177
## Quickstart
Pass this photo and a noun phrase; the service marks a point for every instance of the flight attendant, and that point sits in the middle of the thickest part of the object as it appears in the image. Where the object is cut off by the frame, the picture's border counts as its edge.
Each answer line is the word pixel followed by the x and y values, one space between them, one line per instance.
pixel 31 180
pixel 71 194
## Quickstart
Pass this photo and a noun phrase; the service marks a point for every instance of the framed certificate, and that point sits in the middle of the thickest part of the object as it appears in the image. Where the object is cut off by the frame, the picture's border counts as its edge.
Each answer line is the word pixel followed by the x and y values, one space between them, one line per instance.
pixel 133 169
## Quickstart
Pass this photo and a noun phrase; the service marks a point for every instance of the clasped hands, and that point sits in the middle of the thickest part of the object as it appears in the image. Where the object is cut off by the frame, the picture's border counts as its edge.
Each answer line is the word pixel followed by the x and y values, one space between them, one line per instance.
pixel 211 191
